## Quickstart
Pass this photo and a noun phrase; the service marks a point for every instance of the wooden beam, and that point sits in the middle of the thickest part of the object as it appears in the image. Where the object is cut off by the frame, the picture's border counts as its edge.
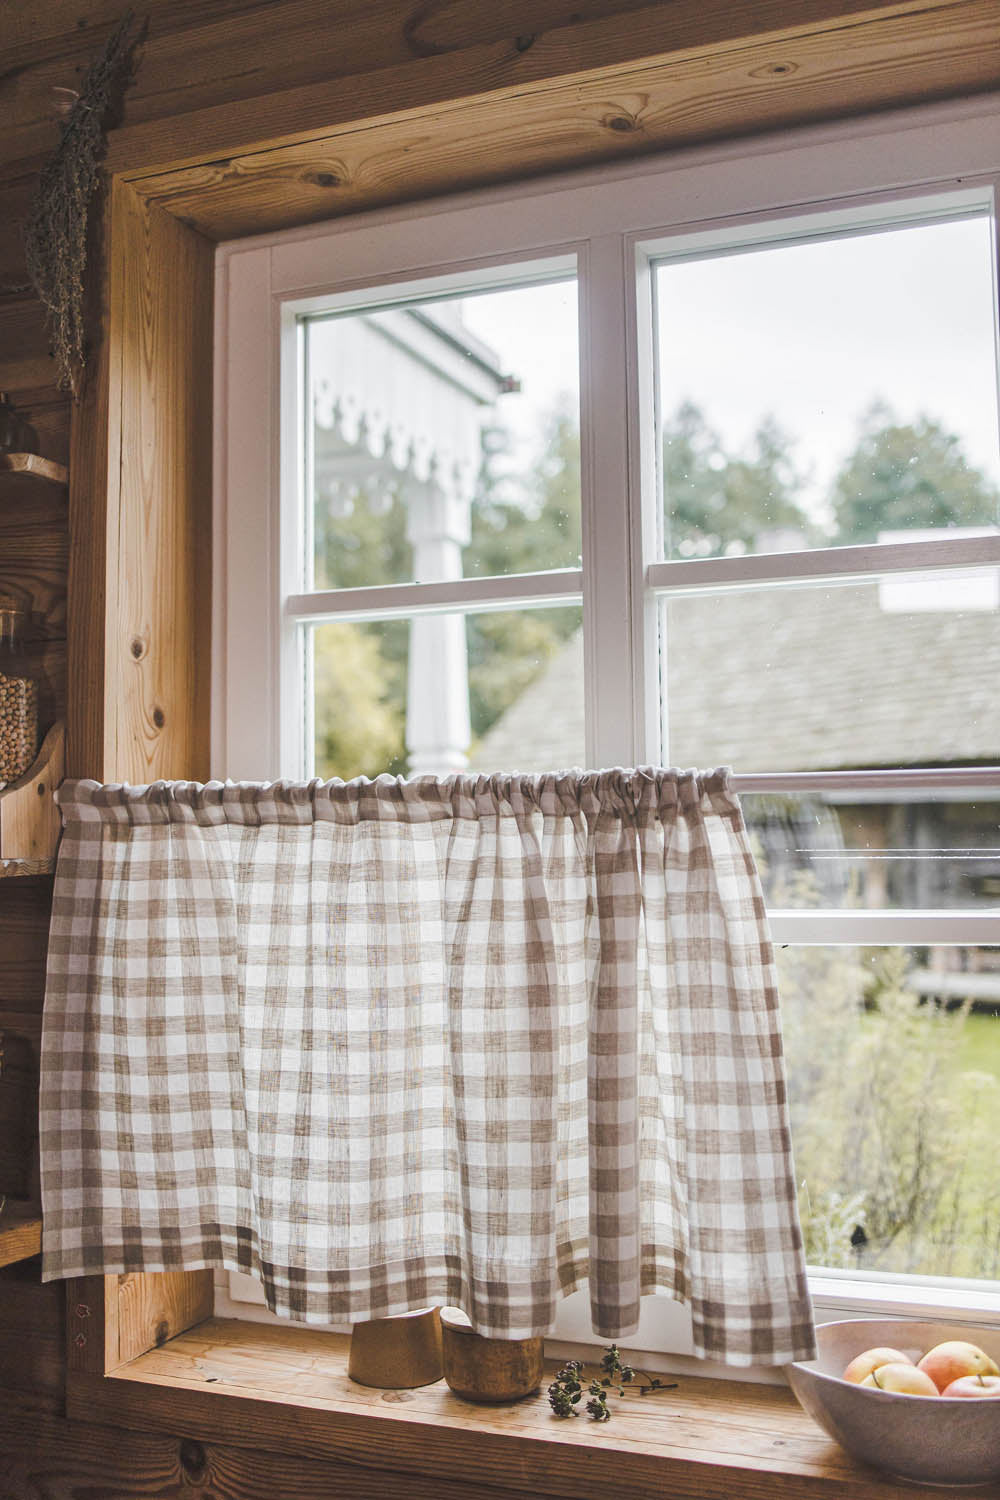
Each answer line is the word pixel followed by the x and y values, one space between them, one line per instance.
pixel 656 37
pixel 232 52
pixel 617 113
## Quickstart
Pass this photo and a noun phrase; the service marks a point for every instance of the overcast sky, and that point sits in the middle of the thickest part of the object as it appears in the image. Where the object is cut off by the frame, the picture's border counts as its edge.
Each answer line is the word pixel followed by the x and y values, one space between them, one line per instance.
pixel 810 333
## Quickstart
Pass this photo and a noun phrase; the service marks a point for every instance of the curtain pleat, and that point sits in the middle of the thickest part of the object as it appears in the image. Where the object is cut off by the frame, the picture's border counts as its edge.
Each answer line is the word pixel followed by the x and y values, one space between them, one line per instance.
pixel 381 1044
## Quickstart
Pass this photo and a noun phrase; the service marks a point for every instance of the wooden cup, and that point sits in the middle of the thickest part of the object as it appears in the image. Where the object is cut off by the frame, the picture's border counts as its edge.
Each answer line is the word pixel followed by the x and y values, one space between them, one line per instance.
pixel 488 1370
pixel 396 1354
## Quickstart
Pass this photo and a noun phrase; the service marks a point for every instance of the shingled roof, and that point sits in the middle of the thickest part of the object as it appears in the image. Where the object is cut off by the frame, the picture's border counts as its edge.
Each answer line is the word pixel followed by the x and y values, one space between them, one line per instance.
pixel 791 679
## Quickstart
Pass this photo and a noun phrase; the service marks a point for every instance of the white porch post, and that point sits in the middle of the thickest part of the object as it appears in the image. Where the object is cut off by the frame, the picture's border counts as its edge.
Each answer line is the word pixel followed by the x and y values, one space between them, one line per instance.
pixel 437 701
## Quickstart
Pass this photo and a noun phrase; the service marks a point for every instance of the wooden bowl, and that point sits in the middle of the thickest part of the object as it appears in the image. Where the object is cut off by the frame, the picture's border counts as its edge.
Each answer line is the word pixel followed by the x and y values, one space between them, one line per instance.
pixel 488 1370
pixel 396 1354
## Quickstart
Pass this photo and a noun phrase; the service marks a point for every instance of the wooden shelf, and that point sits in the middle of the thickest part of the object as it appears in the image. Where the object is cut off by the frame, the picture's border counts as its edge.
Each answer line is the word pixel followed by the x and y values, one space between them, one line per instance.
pixel 267 1388
pixel 23 472
pixel 14 869
pixel 20 1232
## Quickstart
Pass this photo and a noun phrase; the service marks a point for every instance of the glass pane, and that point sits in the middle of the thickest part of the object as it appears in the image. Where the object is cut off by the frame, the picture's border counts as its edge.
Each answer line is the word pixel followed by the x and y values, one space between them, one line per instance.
pixel 895 672
pixel 444 438
pixel 443 693
pixel 877 850
pixel 829 392
pixel 893 1058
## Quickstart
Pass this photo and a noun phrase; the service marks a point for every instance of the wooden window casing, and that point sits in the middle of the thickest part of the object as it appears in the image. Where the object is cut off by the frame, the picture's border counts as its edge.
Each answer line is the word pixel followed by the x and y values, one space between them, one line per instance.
pixel 141 449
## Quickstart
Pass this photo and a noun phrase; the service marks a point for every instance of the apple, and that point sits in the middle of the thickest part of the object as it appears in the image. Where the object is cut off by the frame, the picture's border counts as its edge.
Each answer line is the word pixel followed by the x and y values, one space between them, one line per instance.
pixel 905 1379
pixel 973 1385
pixel 953 1359
pixel 863 1364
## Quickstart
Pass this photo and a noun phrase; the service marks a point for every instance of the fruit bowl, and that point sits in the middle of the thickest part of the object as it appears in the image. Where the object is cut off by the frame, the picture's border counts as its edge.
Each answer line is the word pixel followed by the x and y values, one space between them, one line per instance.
pixel 924 1439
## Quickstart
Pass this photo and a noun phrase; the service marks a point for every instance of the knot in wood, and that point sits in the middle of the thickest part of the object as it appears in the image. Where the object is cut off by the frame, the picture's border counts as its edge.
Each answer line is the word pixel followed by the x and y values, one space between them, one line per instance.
pixel 193 1459
pixel 159 717
pixel 622 123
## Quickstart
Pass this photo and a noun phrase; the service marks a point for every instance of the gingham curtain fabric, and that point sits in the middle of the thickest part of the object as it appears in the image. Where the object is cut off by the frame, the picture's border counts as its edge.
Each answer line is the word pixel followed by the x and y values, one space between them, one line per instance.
pixel 384 1044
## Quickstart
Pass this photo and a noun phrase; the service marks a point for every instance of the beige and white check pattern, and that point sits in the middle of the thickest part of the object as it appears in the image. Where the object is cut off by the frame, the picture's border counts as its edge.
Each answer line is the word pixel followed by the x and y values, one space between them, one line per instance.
pixel 383 1044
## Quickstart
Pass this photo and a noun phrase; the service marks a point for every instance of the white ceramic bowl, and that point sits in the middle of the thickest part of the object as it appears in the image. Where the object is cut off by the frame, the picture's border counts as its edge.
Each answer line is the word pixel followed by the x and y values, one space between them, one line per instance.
pixel 926 1439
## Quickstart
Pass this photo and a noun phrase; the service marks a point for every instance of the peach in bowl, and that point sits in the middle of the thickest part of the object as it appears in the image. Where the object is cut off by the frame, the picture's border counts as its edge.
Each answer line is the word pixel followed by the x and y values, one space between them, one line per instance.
pixel 918 1400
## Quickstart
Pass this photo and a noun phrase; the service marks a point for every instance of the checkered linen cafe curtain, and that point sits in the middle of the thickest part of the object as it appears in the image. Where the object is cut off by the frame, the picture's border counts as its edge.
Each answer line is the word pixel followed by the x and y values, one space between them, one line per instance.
pixel 385 1044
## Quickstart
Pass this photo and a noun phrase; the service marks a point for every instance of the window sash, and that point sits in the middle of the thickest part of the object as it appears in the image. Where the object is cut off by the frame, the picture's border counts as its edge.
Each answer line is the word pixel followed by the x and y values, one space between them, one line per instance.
pixel 873 170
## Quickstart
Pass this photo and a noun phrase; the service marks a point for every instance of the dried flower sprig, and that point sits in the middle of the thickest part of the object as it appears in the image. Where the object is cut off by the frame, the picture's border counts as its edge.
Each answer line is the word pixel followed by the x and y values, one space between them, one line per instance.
pixel 55 236
pixel 566 1391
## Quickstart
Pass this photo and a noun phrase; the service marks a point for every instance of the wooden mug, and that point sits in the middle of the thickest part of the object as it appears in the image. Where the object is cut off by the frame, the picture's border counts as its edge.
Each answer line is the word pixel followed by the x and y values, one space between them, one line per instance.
pixel 397 1353
pixel 488 1370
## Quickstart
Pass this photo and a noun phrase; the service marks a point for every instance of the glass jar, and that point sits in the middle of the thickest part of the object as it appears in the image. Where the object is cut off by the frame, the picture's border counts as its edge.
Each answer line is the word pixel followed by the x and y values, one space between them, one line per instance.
pixel 18 696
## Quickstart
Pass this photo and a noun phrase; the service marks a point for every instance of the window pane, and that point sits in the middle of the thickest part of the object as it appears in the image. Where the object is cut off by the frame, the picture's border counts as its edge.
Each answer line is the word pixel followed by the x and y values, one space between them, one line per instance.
pixel 877 850
pixel 829 391
pixel 443 693
pixel 444 438
pixel 893 1058
pixel 895 672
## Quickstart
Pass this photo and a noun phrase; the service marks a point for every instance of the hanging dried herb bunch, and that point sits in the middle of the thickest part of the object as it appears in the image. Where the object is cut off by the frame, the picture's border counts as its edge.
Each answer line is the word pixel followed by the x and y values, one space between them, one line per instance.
pixel 55 236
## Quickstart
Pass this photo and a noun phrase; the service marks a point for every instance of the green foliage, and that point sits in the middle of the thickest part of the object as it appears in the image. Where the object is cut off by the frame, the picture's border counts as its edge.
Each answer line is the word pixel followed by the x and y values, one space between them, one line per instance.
pixel 905 475
pixel 566 1391
pixel 360 699
pixel 892 1134
pixel 718 502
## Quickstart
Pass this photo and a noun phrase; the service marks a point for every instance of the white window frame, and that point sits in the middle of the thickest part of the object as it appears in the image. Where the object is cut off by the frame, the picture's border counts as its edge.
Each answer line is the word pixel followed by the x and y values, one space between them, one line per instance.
pixel 613 224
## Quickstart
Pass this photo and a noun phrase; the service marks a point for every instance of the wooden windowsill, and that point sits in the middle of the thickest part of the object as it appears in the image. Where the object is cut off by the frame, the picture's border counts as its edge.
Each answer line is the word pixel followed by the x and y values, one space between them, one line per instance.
pixel 20 1232
pixel 272 1388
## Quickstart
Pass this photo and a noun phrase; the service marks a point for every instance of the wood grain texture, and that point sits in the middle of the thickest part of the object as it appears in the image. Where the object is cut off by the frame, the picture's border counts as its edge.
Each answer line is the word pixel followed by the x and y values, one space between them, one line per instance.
pixel 20 869
pixel 159 573
pixel 31 472
pixel 34 555
pixel 91 1325
pixel 45 1457
pixel 25 360
pixel 155 1307
pixel 93 499
pixel 20 1041
pixel 18 1118
pixel 227 53
pixel 20 1232
pixel 25 906
pixel 267 1387
pixel 31 1337
pixel 623 113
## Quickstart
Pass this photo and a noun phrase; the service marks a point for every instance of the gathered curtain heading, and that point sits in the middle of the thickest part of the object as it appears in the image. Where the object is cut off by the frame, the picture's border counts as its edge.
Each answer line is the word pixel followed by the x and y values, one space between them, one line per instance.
pixel 381 1044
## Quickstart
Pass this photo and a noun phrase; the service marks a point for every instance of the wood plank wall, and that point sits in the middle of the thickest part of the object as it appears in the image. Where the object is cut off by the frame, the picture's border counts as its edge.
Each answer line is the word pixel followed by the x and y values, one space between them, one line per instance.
pixel 326 107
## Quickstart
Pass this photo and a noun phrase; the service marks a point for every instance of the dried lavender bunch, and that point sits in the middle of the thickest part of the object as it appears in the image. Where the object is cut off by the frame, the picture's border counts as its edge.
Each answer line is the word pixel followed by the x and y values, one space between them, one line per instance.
pixel 55 236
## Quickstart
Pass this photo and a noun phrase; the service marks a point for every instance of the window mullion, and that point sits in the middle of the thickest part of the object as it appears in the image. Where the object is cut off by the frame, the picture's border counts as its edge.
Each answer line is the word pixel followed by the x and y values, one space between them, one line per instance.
pixel 613 705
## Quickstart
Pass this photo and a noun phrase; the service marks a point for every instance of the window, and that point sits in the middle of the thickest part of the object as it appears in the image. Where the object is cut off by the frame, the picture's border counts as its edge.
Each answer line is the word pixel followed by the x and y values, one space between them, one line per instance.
pixel 698 465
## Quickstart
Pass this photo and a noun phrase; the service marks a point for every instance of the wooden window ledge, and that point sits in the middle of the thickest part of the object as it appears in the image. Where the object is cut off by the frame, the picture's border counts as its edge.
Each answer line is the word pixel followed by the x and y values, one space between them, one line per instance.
pixel 287 1389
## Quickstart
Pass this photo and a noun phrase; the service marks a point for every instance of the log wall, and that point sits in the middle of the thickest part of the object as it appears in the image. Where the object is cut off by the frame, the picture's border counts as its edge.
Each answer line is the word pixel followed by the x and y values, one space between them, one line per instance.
pixel 246 116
